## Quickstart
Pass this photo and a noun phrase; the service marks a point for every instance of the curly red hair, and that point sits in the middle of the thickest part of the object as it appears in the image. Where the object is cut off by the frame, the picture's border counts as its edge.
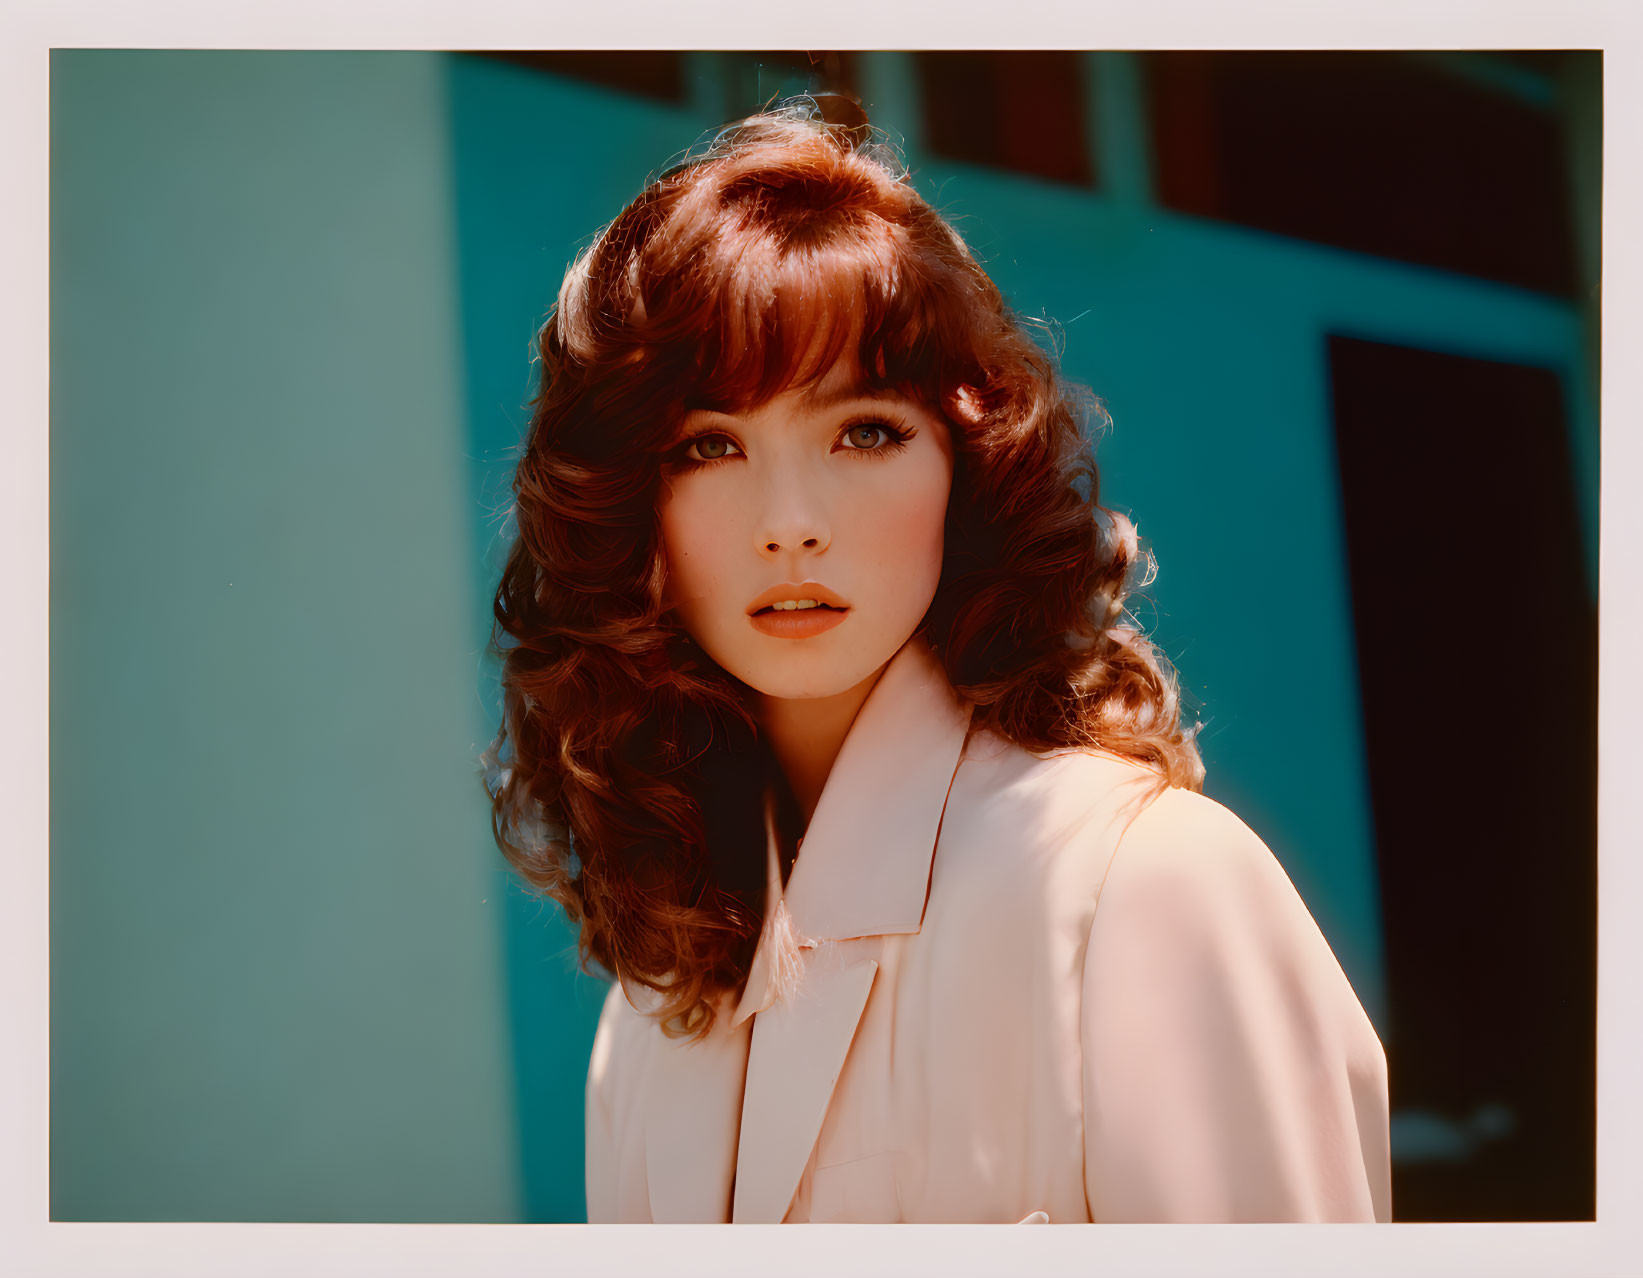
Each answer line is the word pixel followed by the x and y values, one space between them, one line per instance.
pixel 625 776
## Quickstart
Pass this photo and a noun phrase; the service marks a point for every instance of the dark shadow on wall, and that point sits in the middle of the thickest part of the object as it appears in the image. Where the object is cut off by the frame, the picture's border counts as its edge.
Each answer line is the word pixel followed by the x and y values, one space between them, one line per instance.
pixel 1459 165
pixel 1477 655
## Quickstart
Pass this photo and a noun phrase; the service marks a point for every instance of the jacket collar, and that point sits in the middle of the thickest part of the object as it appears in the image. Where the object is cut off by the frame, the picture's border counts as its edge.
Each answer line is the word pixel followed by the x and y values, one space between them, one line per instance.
pixel 865 866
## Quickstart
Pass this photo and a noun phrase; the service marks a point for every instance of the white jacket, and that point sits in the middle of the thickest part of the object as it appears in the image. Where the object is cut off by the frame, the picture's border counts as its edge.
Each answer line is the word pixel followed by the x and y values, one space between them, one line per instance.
pixel 1027 985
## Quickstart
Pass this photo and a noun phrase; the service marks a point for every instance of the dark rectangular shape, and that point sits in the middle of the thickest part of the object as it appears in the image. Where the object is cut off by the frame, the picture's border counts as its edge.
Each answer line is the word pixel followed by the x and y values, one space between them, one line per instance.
pixel 1380 153
pixel 1010 109
pixel 756 80
pixel 1477 655
pixel 650 73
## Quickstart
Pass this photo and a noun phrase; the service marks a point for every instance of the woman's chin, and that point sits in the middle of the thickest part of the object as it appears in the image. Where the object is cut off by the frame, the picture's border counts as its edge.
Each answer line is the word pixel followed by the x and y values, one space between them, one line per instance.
pixel 810 676
pixel 808 686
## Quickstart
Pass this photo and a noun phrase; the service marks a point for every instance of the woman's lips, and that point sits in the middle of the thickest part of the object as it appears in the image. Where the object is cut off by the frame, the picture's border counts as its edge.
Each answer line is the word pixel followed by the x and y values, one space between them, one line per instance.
pixel 799 623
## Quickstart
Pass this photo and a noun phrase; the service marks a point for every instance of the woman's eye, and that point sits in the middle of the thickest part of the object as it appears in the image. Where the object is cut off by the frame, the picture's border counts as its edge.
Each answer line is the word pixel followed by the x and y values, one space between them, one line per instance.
pixel 866 436
pixel 711 448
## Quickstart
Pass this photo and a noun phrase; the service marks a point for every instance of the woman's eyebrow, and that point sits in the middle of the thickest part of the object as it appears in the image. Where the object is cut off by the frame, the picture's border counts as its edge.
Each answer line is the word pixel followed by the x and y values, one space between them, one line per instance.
pixel 823 400
pixel 816 402
pixel 814 396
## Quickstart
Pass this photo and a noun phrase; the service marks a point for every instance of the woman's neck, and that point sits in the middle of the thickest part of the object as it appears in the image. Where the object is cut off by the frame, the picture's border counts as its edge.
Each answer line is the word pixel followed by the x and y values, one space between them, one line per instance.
pixel 806 736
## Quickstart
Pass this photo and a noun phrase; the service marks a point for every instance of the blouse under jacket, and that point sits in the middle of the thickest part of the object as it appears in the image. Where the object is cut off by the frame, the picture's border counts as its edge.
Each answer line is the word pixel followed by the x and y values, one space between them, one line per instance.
pixel 1028 987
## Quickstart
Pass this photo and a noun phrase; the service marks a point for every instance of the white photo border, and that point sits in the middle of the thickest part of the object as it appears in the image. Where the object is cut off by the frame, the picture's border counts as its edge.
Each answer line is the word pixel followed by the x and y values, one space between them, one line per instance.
pixel 29 29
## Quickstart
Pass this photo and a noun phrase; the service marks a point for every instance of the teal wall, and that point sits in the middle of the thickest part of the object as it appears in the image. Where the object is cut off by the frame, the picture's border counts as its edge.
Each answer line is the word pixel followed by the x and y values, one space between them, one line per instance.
pixel 293 300
pixel 533 180
pixel 274 914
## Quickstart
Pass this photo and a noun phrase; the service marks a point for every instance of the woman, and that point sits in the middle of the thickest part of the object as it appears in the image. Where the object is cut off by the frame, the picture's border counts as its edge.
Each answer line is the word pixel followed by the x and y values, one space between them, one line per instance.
pixel 820 722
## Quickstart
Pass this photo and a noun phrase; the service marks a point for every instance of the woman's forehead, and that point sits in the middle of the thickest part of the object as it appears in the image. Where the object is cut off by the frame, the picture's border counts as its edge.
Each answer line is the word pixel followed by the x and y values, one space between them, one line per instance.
pixel 816 341
pixel 810 375
pixel 843 379
pixel 780 324
pixel 840 383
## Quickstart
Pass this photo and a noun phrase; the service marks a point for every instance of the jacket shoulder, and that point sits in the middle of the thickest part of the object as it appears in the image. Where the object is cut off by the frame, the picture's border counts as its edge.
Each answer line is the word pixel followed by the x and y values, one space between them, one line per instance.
pixel 1194 897
pixel 1038 829
pixel 619 1031
pixel 1230 1071
pixel 1188 853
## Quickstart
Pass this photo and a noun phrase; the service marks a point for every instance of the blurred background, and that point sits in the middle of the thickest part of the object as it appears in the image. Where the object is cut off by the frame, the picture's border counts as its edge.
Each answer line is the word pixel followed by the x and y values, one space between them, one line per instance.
pixel 1342 307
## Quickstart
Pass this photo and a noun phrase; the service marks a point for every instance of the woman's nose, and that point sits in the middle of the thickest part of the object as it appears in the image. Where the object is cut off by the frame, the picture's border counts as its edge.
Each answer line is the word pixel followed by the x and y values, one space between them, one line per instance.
pixel 794 519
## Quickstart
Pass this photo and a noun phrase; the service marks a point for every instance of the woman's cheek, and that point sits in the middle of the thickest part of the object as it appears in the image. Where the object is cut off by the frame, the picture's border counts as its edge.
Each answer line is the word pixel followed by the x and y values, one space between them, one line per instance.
pixel 684 546
pixel 914 524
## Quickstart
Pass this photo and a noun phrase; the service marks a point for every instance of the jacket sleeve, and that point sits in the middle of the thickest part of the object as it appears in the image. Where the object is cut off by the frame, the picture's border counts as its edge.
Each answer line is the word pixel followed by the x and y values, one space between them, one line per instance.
pixel 614 1192
pixel 1229 1072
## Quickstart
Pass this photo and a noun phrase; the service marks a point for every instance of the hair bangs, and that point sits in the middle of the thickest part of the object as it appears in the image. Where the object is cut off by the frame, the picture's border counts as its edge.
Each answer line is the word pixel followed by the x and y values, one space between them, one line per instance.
pixel 784 314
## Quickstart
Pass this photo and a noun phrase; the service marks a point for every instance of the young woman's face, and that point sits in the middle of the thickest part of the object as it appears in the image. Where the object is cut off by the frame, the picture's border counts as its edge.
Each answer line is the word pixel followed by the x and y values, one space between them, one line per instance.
pixel 822 493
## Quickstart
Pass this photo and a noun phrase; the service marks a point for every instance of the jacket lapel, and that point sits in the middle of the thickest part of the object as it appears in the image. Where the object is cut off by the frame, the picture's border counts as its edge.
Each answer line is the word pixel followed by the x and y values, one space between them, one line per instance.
pixel 692 1111
pixel 865 867
pixel 798 1049
pixel 864 871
